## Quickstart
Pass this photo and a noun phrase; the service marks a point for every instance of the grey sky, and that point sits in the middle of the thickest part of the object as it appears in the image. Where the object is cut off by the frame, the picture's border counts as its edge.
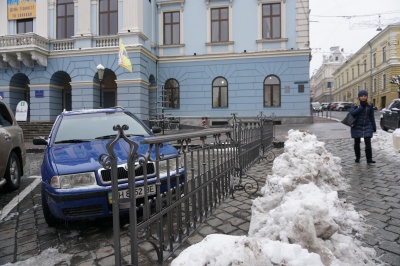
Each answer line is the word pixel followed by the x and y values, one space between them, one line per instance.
pixel 348 24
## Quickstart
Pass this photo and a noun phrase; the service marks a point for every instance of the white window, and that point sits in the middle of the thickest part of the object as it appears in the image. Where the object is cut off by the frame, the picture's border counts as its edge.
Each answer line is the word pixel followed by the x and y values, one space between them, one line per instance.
pixel 219 24
pixel 170 23
pixel 384 82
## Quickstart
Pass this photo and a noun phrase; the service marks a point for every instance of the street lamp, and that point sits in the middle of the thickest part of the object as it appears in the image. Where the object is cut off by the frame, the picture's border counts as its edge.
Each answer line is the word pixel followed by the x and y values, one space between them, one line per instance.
pixel 396 80
pixel 100 73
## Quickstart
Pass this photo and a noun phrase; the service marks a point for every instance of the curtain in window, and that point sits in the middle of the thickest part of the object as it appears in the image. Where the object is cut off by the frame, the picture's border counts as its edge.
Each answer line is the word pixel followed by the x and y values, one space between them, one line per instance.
pixel 272 91
pixel 220 93
pixel 171 94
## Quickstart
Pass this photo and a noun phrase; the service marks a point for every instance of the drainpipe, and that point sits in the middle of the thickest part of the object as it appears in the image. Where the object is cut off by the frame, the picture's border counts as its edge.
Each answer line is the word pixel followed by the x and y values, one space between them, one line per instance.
pixel 370 59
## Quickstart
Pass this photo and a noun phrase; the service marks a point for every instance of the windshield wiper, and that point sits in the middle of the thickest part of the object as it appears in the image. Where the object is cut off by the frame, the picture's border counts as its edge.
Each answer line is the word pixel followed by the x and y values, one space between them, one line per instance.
pixel 113 136
pixel 72 141
pixel 106 136
pixel 134 135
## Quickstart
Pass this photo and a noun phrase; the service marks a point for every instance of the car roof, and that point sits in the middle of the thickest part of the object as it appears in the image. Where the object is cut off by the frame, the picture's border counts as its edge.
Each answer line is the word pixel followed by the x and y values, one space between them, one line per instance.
pixel 93 111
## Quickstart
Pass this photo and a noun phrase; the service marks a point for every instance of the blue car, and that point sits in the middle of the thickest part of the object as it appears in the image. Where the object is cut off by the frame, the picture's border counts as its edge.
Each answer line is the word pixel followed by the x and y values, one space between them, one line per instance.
pixel 75 185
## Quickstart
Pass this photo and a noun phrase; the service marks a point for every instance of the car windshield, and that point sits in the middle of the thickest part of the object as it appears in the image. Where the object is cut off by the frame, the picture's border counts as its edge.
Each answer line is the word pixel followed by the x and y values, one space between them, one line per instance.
pixel 86 127
pixel 316 105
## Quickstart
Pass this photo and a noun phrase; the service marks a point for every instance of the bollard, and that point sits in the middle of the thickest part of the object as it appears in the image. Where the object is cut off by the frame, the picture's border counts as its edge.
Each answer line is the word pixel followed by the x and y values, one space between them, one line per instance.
pixel 204 122
pixel 396 139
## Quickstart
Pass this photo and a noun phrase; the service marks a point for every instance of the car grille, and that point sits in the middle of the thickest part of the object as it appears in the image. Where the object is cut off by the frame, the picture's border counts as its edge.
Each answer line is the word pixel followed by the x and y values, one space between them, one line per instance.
pixel 82 211
pixel 105 174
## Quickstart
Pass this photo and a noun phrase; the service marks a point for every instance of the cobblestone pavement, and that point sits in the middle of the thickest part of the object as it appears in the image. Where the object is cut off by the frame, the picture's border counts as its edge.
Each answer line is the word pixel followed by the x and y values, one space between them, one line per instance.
pixel 375 192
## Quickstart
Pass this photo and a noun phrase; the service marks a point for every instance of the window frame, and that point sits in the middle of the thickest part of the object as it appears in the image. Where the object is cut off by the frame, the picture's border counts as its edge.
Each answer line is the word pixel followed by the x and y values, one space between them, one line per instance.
pixel 168 91
pixel 374 60
pixel 219 24
pixel 172 28
pixel 221 93
pixel 271 92
pixel 384 54
pixel 65 17
pixel 24 23
pixel 384 81
pixel 271 17
pixel 109 12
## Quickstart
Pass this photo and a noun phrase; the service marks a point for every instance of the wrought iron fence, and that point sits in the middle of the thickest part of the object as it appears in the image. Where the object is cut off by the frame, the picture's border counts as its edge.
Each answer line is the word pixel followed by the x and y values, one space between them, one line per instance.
pixel 211 165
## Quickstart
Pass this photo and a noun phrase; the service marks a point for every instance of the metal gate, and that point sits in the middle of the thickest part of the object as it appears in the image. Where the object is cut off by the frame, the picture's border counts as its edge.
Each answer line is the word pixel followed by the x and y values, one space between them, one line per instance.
pixel 214 164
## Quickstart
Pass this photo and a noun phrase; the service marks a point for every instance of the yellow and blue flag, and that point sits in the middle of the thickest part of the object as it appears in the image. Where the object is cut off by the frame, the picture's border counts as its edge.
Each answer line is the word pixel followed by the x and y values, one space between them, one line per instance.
pixel 124 60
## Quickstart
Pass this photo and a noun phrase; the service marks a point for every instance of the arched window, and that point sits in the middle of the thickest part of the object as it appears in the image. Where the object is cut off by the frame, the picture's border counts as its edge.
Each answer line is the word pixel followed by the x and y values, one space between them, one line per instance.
pixel 219 93
pixel 272 91
pixel 171 94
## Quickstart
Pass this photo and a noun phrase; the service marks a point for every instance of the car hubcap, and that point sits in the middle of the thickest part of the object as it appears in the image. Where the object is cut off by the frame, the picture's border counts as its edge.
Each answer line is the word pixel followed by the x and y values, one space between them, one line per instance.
pixel 13 171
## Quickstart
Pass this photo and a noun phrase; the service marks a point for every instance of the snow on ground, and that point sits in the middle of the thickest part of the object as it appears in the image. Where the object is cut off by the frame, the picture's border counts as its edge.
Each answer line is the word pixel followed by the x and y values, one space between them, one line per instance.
pixel 299 220
pixel 49 256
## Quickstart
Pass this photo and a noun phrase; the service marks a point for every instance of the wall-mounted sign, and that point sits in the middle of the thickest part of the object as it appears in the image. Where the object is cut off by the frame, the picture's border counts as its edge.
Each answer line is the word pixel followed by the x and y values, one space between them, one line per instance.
pixel 287 89
pixel 21 113
pixel 300 82
pixel 39 93
pixel 21 9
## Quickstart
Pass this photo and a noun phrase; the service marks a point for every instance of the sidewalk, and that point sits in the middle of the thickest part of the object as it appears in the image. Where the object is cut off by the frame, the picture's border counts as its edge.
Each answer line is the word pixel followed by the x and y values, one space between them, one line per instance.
pixel 375 192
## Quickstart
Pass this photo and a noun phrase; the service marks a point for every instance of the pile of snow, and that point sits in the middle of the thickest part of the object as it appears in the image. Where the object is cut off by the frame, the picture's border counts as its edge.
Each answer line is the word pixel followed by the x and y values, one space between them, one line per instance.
pixel 386 146
pixel 299 220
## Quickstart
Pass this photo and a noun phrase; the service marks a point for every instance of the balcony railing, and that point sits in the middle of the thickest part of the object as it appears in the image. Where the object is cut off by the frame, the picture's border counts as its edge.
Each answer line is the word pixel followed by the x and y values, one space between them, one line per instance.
pixel 27 39
pixel 32 39
pixel 106 41
pixel 61 45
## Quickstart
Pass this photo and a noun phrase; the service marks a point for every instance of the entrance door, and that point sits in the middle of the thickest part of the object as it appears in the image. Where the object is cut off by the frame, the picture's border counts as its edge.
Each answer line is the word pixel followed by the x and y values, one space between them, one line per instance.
pixel 109 99
pixel 383 102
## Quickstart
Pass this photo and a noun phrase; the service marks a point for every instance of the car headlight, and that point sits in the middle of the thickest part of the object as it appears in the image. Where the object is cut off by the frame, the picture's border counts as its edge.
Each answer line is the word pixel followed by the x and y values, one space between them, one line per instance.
pixel 171 165
pixel 73 180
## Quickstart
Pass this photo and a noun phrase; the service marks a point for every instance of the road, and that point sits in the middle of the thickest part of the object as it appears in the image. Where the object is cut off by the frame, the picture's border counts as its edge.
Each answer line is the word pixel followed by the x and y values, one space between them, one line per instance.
pixel 341 115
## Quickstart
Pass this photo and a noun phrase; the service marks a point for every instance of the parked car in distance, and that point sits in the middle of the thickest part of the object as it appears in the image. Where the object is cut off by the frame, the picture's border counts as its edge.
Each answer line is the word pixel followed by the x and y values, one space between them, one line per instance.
pixel 316 107
pixel 75 185
pixel 12 149
pixel 343 106
pixel 324 106
pixel 332 106
pixel 390 116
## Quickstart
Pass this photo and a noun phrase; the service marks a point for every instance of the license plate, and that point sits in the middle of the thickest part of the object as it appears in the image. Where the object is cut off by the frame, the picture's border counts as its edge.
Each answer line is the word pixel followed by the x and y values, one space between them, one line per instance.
pixel 123 194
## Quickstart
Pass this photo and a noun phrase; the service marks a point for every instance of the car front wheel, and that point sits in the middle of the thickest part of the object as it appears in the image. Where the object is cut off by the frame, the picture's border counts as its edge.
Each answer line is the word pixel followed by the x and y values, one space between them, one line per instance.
pixel 13 172
pixel 48 216
pixel 383 126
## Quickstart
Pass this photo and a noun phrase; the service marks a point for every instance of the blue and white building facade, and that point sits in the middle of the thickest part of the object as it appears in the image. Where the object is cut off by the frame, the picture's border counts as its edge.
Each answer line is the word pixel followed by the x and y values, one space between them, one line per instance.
pixel 194 58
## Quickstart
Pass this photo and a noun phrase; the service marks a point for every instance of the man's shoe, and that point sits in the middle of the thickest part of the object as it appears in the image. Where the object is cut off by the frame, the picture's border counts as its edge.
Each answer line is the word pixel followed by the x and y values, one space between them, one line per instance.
pixel 357 160
pixel 369 162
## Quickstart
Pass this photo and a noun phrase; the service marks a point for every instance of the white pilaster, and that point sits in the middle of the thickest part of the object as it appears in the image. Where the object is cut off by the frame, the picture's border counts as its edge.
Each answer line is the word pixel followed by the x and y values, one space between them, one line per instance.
pixel 84 17
pixel 42 18
pixel 3 17
pixel 129 14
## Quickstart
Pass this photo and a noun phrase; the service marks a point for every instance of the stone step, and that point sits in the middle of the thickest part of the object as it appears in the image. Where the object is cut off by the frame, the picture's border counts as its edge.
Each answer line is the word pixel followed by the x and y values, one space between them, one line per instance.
pixel 35 129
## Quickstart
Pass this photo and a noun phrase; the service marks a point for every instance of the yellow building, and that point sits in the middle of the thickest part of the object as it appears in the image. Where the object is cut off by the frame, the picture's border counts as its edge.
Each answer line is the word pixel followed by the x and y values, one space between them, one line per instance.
pixel 371 68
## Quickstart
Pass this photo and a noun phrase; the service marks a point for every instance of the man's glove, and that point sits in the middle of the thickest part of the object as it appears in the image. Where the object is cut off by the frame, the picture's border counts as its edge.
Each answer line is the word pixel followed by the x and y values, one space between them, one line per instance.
pixel 363 104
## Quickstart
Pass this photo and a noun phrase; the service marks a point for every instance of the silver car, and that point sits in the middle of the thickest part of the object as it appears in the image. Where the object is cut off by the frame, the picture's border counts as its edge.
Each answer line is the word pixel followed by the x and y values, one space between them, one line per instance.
pixel 12 152
pixel 390 117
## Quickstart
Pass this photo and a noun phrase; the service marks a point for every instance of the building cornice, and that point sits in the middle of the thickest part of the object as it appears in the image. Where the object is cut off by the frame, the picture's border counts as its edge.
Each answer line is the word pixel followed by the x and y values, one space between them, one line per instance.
pixel 231 56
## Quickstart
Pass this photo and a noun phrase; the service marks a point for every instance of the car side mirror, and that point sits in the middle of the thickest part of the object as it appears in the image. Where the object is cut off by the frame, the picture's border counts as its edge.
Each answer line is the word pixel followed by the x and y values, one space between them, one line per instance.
pixel 156 129
pixel 39 141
